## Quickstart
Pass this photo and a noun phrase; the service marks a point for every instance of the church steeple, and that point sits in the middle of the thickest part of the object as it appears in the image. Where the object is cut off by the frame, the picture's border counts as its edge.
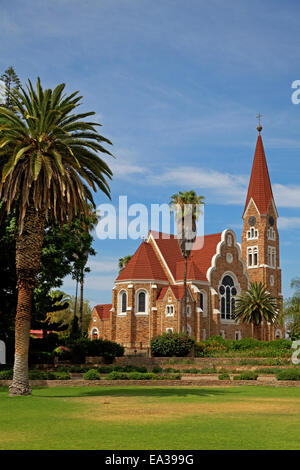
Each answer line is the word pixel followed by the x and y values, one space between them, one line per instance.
pixel 260 236
pixel 260 189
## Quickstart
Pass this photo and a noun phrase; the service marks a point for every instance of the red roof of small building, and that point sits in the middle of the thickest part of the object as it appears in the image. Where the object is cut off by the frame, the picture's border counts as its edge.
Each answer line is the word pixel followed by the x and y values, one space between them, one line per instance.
pixel 143 265
pixel 260 189
pixel 103 311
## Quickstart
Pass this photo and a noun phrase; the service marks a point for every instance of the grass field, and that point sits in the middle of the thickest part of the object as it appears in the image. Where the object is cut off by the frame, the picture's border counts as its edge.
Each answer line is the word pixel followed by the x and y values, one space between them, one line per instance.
pixel 155 418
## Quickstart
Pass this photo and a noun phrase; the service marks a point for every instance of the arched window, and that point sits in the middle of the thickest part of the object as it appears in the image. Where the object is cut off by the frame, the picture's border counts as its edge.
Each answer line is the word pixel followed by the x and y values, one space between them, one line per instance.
pixel 122 303
pixel 142 302
pixel 203 302
pixel 227 297
pixel 95 333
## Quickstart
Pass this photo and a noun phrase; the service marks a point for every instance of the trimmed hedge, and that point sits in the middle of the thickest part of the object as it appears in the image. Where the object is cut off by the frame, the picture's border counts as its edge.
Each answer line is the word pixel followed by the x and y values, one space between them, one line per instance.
pixel 288 374
pixel 247 375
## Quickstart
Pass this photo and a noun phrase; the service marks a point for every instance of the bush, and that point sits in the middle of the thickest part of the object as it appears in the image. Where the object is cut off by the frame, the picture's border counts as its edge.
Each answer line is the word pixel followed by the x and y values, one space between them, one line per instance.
pixel 288 374
pixel 142 376
pixel 171 344
pixel 157 370
pixel 63 353
pixel 117 376
pixel 105 369
pixel 82 347
pixel 247 375
pixel 224 376
pixel 91 374
pixel 40 357
pixel 37 374
pixel 170 369
pixel 6 374
pixel 193 370
pixel 208 370
pixel 59 376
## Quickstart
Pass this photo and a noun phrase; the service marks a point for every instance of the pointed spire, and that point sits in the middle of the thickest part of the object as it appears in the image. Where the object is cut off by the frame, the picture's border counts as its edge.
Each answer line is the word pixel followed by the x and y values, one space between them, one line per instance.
pixel 260 189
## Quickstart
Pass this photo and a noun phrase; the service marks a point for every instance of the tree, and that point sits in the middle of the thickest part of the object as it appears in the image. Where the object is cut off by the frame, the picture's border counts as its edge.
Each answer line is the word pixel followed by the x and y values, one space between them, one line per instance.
pixel 66 317
pixel 187 207
pixel 48 156
pixel 123 262
pixel 291 312
pixel 83 249
pixel 55 301
pixel 10 80
pixel 256 305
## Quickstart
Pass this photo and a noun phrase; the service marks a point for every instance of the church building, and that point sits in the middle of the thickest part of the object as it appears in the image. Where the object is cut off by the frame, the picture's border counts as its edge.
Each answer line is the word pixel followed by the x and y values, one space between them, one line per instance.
pixel 147 297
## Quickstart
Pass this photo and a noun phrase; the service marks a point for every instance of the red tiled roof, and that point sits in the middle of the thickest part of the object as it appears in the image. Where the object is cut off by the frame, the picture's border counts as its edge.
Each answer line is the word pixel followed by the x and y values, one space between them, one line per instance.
pixel 143 265
pixel 260 189
pixel 178 292
pixel 199 260
pixel 103 311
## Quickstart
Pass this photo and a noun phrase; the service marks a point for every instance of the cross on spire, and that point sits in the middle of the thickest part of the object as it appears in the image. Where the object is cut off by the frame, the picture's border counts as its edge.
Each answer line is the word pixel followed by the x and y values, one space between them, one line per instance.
pixel 259 127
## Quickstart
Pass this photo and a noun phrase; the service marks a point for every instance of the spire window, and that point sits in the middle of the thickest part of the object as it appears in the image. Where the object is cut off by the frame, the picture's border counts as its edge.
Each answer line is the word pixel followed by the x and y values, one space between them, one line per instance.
pixel 252 234
pixel 252 256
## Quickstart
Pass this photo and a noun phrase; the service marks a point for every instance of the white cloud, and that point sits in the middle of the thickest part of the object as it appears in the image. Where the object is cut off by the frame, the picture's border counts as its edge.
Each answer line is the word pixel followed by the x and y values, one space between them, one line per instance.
pixel 105 266
pixel 287 196
pixel 288 223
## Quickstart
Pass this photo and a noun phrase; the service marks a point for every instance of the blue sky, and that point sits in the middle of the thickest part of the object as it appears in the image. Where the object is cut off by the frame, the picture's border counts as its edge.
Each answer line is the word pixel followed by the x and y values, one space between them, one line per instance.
pixel 177 86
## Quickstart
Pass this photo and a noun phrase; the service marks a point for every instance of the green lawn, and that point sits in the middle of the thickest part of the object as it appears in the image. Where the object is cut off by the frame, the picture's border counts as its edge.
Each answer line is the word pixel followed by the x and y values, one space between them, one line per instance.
pixel 155 418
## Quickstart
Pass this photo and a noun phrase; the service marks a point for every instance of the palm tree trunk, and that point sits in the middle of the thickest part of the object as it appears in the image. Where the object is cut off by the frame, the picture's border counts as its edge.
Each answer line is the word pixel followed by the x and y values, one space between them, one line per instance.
pixel 81 302
pixel 28 253
pixel 185 295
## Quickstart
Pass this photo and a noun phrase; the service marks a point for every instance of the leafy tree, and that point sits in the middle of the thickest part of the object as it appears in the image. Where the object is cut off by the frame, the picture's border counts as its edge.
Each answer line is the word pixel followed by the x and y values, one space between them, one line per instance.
pixel 8 278
pixel 291 311
pixel 82 250
pixel 48 156
pixel 187 207
pixel 53 302
pixel 123 262
pixel 256 305
pixel 10 80
pixel 66 317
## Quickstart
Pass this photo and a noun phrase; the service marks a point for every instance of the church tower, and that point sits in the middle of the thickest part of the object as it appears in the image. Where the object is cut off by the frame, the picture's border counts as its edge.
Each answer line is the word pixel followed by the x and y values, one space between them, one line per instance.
pixel 260 237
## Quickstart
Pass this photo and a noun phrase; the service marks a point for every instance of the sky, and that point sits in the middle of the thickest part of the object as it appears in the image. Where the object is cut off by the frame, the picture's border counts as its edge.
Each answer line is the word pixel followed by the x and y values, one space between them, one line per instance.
pixel 177 86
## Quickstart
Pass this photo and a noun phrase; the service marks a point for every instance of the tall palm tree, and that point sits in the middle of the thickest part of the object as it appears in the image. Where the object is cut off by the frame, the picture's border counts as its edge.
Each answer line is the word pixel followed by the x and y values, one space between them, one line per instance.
pixel 256 305
pixel 48 158
pixel 187 207
pixel 123 262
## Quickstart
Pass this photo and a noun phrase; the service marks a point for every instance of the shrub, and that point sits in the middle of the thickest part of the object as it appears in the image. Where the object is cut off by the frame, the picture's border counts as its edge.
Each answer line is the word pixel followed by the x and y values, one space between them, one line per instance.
pixel 157 370
pixel 247 375
pixel 82 347
pixel 59 376
pixel 40 357
pixel 170 369
pixel 193 370
pixel 224 376
pixel 288 374
pixel 36 374
pixel 117 376
pixel 208 370
pixel 91 374
pixel 172 344
pixel 6 374
pixel 105 369
pixel 142 376
pixel 62 352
